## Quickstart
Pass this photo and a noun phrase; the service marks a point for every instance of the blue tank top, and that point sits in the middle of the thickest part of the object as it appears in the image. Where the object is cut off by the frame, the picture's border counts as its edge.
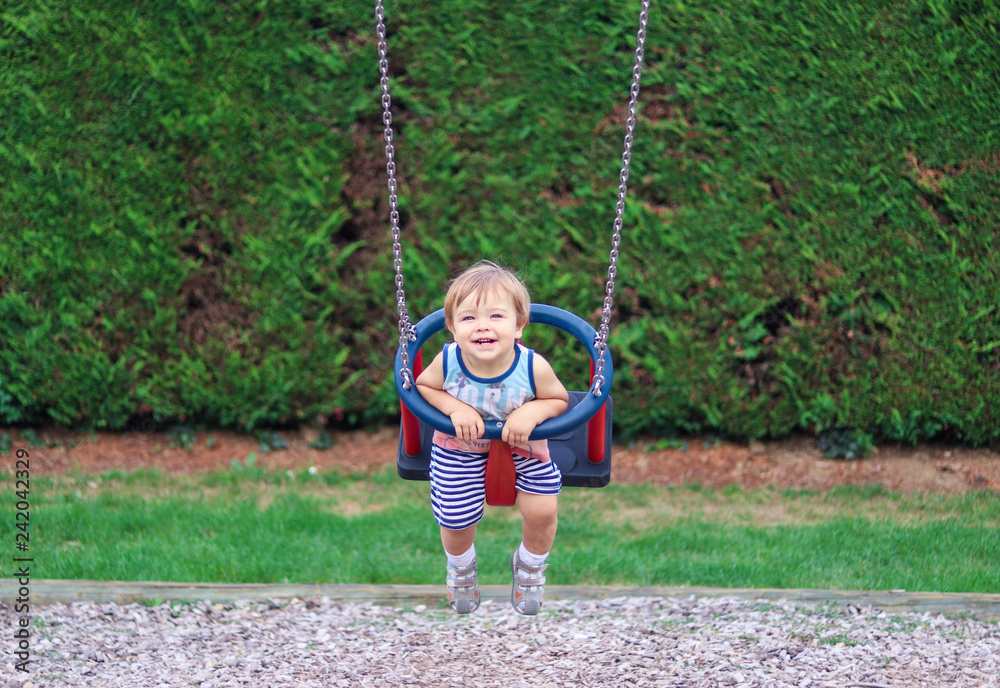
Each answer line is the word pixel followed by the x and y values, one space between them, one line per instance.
pixel 496 397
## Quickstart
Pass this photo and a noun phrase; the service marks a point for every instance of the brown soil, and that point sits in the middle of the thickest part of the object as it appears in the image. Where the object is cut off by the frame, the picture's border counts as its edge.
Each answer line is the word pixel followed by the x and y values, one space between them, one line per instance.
pixel 795 463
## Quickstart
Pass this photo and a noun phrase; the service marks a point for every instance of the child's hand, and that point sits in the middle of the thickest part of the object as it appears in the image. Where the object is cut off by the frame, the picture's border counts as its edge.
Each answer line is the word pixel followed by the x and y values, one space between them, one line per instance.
pixel 520 424
pixel 468 424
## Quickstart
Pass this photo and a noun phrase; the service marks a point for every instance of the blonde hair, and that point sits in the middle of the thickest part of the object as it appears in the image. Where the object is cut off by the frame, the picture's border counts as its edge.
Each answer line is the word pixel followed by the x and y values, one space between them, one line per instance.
pixel 483 279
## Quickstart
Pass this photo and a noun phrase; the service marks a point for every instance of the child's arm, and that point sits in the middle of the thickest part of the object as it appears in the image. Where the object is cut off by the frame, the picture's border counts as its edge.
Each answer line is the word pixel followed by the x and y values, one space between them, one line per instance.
pixel 551 400
pixel 467 421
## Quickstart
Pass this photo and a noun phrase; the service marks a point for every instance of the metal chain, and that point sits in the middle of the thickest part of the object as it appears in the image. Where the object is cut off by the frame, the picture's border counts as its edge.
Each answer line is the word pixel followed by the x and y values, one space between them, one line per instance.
pixel 601 340
pixel 407 333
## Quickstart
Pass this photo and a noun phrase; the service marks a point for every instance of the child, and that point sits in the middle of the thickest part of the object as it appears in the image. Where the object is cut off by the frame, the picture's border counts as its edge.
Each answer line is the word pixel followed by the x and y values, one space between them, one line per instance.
pixel 487 374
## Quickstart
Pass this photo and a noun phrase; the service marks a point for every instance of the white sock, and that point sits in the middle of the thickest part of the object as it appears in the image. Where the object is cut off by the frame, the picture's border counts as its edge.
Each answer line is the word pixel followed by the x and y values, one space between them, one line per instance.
pixel 529 559
pixel 461 561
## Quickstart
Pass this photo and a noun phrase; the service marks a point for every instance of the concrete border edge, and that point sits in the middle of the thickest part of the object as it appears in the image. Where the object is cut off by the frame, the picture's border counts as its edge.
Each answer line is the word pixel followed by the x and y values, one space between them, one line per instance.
pixel 46 592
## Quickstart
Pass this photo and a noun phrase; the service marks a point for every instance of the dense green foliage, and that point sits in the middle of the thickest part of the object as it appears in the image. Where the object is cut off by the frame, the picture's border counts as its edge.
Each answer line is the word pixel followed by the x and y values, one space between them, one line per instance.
pixel 193 209
pixel 253 526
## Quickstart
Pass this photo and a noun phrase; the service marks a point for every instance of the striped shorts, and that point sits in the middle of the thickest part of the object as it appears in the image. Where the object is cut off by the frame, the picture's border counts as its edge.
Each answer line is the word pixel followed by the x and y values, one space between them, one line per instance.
pixel 458 484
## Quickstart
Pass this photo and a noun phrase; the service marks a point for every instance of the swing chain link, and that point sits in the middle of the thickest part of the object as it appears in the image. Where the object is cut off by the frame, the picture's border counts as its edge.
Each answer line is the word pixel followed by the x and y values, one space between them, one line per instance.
pixel 407 332
pixel 601 340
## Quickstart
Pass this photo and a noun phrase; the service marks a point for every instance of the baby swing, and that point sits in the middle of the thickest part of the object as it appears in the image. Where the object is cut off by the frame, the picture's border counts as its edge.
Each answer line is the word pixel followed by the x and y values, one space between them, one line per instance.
pixel 580 439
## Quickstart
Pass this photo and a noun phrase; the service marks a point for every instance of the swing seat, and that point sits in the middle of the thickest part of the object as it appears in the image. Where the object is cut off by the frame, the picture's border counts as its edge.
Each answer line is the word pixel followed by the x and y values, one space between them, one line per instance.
pixel 579 439
pixel 569 450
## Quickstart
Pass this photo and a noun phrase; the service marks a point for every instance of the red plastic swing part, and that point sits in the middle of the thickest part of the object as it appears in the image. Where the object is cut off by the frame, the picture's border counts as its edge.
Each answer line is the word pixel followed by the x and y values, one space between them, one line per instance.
pixel 500 475
pixel 596 428
pixel 411 424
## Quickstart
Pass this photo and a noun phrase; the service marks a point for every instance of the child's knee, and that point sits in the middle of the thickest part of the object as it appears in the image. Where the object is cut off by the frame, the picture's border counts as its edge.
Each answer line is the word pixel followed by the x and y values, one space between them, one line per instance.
pixel 458 541
pixel 538 508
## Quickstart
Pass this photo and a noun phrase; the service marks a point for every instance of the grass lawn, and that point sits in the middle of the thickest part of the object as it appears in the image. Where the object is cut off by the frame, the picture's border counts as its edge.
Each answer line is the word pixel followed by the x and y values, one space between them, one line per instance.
pixel 248 525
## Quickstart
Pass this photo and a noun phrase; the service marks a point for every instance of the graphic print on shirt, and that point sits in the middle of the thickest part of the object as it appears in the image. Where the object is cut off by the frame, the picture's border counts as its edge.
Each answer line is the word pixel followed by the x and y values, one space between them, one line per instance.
pixel 494 402
pixel 494 398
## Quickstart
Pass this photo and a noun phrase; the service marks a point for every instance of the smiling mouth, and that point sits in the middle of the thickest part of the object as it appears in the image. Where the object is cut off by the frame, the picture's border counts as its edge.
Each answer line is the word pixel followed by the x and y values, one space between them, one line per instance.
pixel 485 341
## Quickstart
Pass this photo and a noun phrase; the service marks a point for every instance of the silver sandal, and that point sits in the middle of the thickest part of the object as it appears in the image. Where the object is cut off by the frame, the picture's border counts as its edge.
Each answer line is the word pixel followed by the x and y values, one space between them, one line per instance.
pixel 526 593
pixel 463 589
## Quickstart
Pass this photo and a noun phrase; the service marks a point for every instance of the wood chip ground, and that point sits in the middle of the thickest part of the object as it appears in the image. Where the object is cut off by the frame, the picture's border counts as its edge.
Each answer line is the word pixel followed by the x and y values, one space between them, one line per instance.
pixel 628 641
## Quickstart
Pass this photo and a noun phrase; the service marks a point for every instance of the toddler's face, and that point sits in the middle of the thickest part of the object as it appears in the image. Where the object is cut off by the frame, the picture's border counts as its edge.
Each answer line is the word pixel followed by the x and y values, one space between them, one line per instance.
pixel 486 329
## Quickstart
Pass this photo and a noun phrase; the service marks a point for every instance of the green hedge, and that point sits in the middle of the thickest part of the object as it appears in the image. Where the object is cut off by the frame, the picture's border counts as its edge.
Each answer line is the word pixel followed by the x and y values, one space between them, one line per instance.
pixel 194 214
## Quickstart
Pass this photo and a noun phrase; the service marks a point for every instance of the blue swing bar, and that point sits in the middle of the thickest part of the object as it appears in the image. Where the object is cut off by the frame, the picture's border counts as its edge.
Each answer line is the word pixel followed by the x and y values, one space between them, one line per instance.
pixel 540 313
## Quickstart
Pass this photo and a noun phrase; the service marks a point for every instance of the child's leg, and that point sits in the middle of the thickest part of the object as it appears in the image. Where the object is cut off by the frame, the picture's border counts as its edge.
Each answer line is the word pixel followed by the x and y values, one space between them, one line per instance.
pixel 527 563
pixel 540 514
pixel 457 542
pixel 538 484
pixel 458 498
